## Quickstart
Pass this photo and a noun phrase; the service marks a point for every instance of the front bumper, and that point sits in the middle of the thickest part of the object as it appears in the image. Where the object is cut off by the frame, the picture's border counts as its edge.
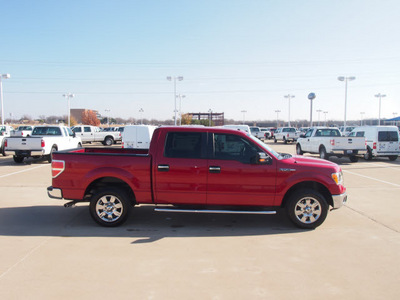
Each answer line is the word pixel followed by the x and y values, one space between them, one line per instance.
pixel 339 200
pixel 54 193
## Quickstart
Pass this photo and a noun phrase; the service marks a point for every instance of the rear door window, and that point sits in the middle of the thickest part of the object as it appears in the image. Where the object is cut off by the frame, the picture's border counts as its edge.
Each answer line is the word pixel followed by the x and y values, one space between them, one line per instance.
pixel 388 136
pixel 184 145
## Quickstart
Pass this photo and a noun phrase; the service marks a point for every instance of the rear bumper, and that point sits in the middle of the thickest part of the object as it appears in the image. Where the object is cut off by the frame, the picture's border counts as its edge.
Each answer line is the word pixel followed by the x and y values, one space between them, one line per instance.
pixel 27 153
pixel 54 193
pixel 339 200
pixel 346 152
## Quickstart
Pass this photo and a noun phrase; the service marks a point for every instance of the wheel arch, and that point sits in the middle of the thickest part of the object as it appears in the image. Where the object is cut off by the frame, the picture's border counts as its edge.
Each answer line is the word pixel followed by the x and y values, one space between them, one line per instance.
pixel 313 185
pixel 110 182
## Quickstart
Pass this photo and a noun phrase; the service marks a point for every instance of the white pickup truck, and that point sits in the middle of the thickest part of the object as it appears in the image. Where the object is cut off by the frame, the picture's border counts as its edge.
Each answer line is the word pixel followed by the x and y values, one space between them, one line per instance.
pixel 328 141
pixel 89 134
pixel 43 141
pixel 5 131
pixel 286 134
pixel 23 130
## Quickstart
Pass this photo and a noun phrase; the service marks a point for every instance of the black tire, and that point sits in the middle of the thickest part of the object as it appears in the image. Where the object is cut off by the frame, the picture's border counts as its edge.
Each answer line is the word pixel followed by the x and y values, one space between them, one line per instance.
pixel 307 209
pixel 368 154
pixel 3 150
pixel 275 140
pixel 322 153
pixel 108 141
pixel 109 207
pixel 284 140
pixel 353 158
pixel 298 150
pixel 392 157
pixel 50 156
pixel 18 159
pixel 79 145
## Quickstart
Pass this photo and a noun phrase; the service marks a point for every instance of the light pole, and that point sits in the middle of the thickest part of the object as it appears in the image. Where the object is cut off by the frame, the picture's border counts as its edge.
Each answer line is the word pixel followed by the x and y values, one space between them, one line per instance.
pixel 180 107
pixel 277 118
pixel 345 79
pixel 2 76
pixel 361 113
pixel 289 97
pixel 325 113
pixel 244 112
pixel 141 111
pixel 380 96
pixel 394 116
pixel 179 78
pixel 319 111
pixel 69 96
pixel 210 118
pixel 311 96
pixel 108 117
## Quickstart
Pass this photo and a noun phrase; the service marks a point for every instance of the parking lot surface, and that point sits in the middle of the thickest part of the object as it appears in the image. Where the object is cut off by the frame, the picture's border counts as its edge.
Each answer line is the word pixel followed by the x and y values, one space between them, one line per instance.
pixel 48 251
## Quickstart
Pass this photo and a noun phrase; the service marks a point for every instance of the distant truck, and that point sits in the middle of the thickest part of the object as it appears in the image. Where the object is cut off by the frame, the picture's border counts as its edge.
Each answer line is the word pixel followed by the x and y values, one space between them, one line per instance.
pixel 24 130
pixel 137 136
pixel 381 141
pixel 198 170
pixel 5 131
pixel 43 141
pixel 286 134
pixel 328 141
pixel 90 134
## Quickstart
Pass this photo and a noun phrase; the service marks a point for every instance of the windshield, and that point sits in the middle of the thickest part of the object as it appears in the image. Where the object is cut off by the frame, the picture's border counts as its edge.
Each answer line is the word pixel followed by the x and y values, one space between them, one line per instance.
pixel 266 147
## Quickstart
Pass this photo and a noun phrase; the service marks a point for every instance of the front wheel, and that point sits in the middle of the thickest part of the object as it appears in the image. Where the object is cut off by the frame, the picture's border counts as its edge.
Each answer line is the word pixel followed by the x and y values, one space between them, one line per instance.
pixel 392 157
pixel 353 158
pixel 307 209
pixel 109 207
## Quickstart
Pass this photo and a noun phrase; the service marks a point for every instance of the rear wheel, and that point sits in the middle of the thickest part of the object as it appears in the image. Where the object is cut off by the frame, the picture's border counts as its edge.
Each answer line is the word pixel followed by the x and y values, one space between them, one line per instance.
pixel 18 159
pixel 353 158
pixel 322 153
pixel 275 140
pixel 108 141
pixel 298 150
pixel 284 140
pixel 368 154
pixel 307 209
pixel 50 156
pixel 393 157
pixel 109 207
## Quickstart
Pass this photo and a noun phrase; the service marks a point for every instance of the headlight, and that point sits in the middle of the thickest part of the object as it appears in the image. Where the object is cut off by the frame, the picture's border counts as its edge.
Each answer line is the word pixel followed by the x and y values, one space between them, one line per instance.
pixel 338 177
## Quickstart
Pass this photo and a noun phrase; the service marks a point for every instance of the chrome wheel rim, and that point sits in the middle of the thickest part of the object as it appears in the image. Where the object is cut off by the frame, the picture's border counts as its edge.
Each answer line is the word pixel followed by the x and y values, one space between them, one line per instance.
pixel 308 210
pixel 109 208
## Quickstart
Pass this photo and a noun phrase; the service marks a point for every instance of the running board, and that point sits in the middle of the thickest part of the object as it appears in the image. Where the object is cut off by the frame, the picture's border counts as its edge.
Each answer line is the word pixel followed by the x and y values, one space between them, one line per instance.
pixel 208 211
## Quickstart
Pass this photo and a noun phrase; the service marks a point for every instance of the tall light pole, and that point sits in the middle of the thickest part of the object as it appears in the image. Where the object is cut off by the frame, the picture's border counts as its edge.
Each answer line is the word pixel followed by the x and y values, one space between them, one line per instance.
pixel 277 117
pixel 289 97
pixel 179 78
pixel 311 97
pixel 380 96
pixel 325 113
pixel 394 116
pixel 362 113
pixel 2 76
pixel 345 79
pixel 141 111
pixel 108 116
pixel 69 96
pixel 180 107
pixel 319 111
pixel 244 112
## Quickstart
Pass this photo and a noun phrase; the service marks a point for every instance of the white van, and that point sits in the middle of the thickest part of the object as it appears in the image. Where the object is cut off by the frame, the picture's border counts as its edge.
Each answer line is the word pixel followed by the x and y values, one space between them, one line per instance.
pixel 380 140
pixel 245 128
pixel 137 136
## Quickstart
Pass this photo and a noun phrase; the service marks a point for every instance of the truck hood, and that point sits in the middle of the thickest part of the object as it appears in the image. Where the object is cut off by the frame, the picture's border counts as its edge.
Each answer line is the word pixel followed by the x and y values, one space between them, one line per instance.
pixel 311 162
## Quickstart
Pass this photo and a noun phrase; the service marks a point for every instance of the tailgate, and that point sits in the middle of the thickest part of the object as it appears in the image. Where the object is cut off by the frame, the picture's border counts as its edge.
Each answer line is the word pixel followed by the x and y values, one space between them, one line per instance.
pixel 349 143
pixel 25 143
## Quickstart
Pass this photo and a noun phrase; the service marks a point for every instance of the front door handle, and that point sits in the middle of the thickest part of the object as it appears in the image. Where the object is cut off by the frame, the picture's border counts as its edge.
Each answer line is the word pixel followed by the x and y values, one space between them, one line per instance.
pixel 214 169
pixel 163 168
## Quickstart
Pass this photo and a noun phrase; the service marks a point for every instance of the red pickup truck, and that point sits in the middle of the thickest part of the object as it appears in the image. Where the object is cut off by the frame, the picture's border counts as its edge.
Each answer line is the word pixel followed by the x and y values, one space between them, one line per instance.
pixel 198 169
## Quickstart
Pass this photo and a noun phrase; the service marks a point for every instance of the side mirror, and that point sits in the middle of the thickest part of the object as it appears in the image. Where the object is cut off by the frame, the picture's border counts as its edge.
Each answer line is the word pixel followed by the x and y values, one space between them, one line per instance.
pixel 302 135
pixel 263 159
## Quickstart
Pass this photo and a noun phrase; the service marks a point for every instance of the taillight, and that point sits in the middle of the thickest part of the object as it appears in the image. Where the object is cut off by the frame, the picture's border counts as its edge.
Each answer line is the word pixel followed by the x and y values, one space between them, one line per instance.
pixel 5 143
pixel 122 144
pixel 374 146
pixel 287 135
pixel 333 142
pixel 42 144
pixel 57 167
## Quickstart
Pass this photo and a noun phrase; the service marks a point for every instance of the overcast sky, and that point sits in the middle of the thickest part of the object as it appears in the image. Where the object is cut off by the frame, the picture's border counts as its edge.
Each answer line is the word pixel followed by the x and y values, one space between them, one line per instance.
pixel 234 55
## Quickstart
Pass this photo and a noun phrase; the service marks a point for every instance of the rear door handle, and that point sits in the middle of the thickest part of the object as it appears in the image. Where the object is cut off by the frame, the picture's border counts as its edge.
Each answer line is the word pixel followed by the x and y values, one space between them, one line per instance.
pixel 214 169
pixel 163 168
